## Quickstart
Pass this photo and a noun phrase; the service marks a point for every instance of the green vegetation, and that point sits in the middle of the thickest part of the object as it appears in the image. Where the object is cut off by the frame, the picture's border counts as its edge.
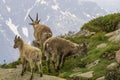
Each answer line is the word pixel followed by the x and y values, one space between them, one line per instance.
pixel 101 26
pixel 112 75
pixel 106 23
pixel 11 65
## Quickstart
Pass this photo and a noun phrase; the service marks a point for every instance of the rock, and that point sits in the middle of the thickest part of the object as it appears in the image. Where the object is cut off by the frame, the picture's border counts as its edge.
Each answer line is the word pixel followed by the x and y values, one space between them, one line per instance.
pixel 101 78
pixel 107 55
pixel 76 69
pixel 14 74
pixel 112 66
pixel 84 33
pixel 111 57
pixel 74 74
pixel 92 64
pixel 114 36
pixel 102 45
pixel 117 56
pixel 109 34
pixel 87 74
pixel 80 76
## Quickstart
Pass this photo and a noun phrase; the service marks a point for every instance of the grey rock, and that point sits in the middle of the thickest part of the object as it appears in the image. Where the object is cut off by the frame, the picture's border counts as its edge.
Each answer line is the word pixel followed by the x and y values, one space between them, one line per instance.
pixel 102 45
pixel 79 75
pixel 92 64
pixel 112 66
pixel 14 74
pixel 101 78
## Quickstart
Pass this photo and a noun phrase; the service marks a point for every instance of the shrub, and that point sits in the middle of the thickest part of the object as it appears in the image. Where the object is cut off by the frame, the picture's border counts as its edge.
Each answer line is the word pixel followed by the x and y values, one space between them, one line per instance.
pixel 112 75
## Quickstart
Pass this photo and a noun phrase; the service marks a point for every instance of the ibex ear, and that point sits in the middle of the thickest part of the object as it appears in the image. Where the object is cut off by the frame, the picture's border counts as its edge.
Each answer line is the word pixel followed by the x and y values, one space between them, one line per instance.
pixel 38 20
pixel 18 37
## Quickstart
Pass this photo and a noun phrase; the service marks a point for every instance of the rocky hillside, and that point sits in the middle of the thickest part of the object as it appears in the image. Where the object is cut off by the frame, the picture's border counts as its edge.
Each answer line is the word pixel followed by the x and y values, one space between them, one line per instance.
pixel 102 38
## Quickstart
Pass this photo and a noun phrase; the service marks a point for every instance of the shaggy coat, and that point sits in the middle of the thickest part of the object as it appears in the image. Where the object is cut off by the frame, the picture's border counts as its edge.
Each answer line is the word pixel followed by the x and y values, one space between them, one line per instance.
pixel 41 32
pixel 29 54
pixel 60 48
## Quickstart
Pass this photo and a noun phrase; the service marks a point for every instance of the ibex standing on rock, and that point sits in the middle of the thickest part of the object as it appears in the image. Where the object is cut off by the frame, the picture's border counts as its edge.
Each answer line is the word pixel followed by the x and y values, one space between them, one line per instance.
pixel 29 54
pixel 41 32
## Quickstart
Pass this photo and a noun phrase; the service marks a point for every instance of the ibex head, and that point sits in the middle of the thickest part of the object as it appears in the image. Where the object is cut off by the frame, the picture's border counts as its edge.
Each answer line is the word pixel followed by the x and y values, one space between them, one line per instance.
pixel 17 41
pixel 34 22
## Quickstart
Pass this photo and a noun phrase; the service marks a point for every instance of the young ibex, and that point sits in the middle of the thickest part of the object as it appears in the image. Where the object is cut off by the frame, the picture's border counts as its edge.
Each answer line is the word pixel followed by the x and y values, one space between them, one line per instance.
pixel 41 32
pixel 29 54
pixel 60 48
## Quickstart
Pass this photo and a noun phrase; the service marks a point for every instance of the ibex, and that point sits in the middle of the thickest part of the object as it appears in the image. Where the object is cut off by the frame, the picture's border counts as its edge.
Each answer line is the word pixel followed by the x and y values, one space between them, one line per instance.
pixel 60 48
pixel 41 32
pixel 29 54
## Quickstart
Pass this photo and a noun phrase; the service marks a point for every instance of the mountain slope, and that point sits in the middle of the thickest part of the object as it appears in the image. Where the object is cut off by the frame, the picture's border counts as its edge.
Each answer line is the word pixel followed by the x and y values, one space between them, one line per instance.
pixel 60 16
pixel 100 61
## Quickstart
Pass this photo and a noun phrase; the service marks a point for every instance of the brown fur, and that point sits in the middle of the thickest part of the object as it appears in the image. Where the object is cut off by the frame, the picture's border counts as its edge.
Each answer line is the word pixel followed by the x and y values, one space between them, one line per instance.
pixel 59 48
pixel 41 32
pixel 29 54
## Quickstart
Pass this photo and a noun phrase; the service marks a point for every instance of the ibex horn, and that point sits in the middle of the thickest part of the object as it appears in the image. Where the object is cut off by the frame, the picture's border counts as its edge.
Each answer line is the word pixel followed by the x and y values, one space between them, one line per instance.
pixel 37 17
pixel 16 37
pixel 31 18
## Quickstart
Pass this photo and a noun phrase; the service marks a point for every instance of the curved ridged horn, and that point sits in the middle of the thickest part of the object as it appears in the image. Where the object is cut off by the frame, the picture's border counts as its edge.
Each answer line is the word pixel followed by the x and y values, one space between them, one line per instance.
pixel 37 17
pixel 30 18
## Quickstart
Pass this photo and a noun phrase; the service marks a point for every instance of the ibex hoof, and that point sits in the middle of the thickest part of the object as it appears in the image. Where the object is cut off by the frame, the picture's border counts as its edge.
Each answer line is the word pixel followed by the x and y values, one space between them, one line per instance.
pixel 49 71
pixel 22 74
pixel 41 75
pixel 56 70
pixel 31 77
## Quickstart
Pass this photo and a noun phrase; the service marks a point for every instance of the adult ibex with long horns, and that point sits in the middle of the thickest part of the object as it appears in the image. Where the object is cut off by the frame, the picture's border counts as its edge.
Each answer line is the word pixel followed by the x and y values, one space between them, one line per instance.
pixel 41 32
